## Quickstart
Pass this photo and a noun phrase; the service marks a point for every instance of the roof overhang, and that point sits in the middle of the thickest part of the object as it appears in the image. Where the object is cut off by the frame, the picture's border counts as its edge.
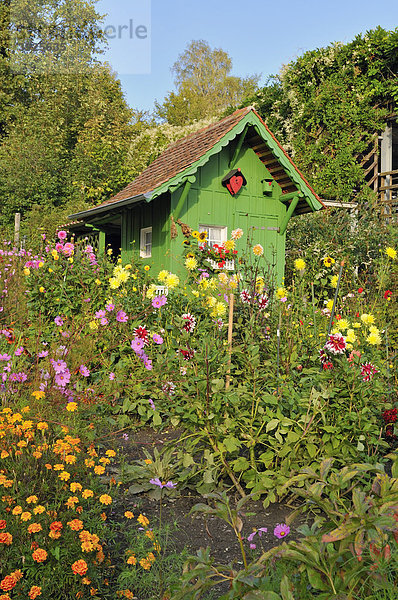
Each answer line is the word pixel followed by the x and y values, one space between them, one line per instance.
pixel 103 208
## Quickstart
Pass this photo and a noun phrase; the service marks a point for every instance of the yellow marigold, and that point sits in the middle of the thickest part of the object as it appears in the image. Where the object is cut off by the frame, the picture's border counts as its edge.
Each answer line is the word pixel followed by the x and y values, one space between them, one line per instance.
pixel 151 557
pixel 333 281
pixel 39 509
pixel 42 426
pixel 26 515
pixel 132 560
pixel 32 499
pixel 99 470
pixel 75 486
pixel 110 453
pixel 4 454
pixel 105 499
pixel 150 534
pixel 147 461
pixel 144 521
pixel 38 394
pixel 87 494
pixel 145 564
pixel 391 252
pixel 71 501
pixel 86 581
pixel 258 250
pixel 18 575
pixel 64 475
pixel 128 514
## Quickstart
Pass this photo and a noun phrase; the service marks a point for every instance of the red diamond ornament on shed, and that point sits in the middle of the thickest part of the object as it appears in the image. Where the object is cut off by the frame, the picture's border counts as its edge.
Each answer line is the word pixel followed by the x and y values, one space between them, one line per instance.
pixel 233 181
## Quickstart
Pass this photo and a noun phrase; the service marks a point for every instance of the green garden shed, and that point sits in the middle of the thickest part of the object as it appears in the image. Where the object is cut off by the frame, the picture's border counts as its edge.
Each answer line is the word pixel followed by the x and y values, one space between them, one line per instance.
pixel 233 173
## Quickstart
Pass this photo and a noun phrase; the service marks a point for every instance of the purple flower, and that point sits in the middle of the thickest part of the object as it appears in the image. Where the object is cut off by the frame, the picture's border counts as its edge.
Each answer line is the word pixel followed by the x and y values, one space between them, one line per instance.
pixel 43 354
pixel 58 321
pixel 281 530
pixel 156 302
pixel 19 351
pixel 5 357
pixel 157 339
pixel 104 321
pixel 63 378
pixel 148 364
pixel 62 235
pixel 169 485
pixel 163 300
pixel 121 317
pixel 125 436
pixel 100 314
pixel 110 307
pixel 84 371
pixel 152 404
pixel 111 376
pixel 137 344
pixel 59 366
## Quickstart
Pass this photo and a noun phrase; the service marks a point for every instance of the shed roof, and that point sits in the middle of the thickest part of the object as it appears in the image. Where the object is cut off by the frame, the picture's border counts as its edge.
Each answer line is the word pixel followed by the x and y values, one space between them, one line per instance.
pixel 183 158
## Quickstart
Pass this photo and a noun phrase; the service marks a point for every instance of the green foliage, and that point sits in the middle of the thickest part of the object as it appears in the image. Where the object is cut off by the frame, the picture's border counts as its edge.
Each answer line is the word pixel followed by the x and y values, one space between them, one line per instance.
pixel 204 86
pixel 328 106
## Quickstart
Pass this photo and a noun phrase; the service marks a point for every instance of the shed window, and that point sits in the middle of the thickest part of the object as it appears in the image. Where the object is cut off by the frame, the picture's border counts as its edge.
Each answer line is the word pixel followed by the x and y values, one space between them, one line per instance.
pixel 215 235
pixel 146 242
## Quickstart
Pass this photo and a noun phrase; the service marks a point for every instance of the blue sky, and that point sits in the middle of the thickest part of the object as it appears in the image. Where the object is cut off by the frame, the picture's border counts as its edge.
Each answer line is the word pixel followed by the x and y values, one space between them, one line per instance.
pixel 259 36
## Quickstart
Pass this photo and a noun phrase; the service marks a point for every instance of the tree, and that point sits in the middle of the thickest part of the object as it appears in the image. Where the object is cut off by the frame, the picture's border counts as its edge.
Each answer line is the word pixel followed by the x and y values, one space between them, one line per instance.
pixel 204 85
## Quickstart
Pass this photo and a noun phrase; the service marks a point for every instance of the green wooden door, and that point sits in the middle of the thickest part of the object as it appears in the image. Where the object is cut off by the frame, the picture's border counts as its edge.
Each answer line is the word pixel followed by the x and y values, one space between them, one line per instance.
pixel 263 229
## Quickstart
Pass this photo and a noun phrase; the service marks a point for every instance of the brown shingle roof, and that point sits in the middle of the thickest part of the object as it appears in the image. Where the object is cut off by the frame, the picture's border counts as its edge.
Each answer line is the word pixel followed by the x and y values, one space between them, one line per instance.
pixel 178 156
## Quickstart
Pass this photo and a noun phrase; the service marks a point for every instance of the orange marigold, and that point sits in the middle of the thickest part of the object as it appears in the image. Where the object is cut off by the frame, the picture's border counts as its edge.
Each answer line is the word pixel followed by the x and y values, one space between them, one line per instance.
pixel 8 583
pixel 26 516
pixel 34 528
pixel 6 538
pixel 5 597
pixel 3 524
pixel 76 524
pixel 35 591
pixel 56 526
pixel 79 567
pixel 39 555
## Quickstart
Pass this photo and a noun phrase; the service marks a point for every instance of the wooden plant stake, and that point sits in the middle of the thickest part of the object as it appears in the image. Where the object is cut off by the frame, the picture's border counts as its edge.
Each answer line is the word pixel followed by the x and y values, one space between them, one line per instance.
pixel 230 326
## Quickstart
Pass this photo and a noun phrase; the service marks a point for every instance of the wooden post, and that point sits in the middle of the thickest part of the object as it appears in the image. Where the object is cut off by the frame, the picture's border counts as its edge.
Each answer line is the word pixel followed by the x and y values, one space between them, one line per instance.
pixel 230 326
pixel 17 228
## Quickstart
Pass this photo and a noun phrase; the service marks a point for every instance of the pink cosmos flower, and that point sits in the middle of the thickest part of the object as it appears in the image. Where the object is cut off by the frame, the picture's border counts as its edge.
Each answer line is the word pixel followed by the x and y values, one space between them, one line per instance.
pixel 62 235
pixel 59 366
pixel 281 530
pixel 104 321
pixel 62 379
pixel 111 376
pixel 83 370
pixel 169 485
pixel 121 316
pixel 19 351
pixel 156 302
pixel 157 339
pixel 137 344
pixel 58 321
pixel 43 354
pixel 110 307
pixel 59 247
pixel 100 314
pixel 68 249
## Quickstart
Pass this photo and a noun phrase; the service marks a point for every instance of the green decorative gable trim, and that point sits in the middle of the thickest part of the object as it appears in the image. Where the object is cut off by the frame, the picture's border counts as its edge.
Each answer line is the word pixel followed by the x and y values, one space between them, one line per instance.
pixel 251 118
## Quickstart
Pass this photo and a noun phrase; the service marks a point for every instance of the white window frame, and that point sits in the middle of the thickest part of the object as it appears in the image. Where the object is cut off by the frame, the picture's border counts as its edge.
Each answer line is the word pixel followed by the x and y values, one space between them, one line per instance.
pixel 210 230
pixel 145 248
